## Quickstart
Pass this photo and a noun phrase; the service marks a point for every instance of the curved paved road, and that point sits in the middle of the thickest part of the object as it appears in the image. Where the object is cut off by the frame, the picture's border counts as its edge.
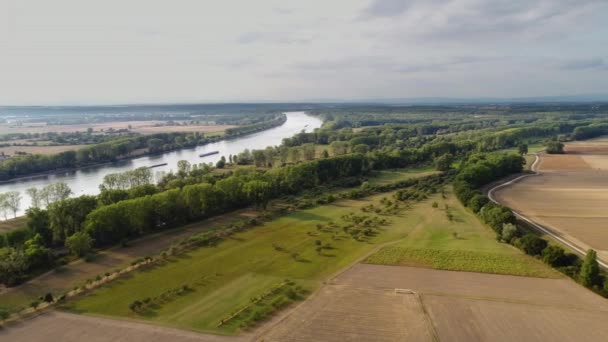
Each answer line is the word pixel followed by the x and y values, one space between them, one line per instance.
pixel 581 251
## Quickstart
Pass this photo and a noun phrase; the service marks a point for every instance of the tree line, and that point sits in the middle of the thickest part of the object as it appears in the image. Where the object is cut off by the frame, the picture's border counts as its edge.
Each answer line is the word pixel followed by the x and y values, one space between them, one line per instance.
pixel 481 169
pixel 120 148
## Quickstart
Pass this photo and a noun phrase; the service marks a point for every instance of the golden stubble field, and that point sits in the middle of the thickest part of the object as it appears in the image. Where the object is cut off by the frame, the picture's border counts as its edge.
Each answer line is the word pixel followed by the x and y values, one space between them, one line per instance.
pixel 361 305
pixel 144 127
pixel 570 195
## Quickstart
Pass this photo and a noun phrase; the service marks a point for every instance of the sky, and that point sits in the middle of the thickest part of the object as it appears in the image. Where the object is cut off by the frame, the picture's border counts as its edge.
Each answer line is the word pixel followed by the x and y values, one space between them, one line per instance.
pixel 149 51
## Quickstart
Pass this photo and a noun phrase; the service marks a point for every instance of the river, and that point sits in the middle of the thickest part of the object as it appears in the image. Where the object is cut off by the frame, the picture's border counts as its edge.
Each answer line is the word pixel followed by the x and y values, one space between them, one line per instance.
pixel 86 181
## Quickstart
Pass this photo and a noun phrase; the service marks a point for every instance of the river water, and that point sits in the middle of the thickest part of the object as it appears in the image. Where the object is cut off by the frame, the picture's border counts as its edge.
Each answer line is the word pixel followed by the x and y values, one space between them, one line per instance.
pixel 87 180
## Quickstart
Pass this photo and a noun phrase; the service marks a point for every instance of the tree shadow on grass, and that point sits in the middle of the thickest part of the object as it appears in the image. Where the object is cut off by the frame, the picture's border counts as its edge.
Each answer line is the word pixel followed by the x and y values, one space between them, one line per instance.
pixel 308 216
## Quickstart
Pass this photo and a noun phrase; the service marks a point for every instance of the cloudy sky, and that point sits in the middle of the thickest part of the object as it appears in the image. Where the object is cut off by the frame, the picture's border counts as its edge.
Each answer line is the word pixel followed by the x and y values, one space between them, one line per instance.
pixel 127 51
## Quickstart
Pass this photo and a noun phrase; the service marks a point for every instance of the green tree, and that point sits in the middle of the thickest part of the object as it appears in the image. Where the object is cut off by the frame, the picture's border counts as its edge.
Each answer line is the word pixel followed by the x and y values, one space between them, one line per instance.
pixel 444 162
pixel 221 163
pixel 325 154
pixel 477 202
pixel 532 244
pixel 79 243
pixel 589 275
pixel 522 149
pixel 34 194
pixel 554 147
pixel 554 256
pixel 339 147
pixel 155 145
pixel 308 151
pixel 509 231
pixel 37 255
pixel 259 158
pixel 361 148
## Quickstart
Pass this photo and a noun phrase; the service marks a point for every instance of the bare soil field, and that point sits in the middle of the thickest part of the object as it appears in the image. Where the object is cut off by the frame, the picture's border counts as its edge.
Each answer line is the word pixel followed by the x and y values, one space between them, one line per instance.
pixel 144 127
pixel 10 150
pixel 570 195
pixel 361 304
pixel 12 224
pixel 350 313
pixel 64 327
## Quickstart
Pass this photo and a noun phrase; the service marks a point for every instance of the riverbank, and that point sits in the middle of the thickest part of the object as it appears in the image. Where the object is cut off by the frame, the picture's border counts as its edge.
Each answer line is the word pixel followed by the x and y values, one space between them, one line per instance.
pixel 216 139
pixel 85 180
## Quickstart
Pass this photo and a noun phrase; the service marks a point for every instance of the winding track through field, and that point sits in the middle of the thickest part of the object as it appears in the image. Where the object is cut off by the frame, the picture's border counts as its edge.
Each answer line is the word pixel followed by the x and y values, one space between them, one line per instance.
pixel 535 225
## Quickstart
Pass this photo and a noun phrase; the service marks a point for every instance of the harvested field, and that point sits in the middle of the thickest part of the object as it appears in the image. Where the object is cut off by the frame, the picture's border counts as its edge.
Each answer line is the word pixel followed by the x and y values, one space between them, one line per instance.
pixel 64 327
pixel 461 306
pixel 348 313
pixel 144 127
pixel 570 195
pixel 10 150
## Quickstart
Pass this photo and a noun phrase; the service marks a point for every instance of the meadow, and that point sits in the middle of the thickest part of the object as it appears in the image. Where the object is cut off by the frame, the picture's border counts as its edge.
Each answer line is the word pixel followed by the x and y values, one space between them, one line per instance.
pixel 224 279
pixel 454 239
pixel 305 248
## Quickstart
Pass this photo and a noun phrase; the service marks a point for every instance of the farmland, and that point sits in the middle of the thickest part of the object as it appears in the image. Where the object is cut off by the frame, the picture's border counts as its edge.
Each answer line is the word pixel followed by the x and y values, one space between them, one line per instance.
pixel 570 194
pixel 460 244
pixel 143 127
pixel 494 307
pixel 226 277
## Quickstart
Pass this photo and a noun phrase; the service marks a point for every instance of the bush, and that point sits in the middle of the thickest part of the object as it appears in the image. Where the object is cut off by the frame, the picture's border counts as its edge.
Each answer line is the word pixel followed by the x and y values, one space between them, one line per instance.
pixel 532 244
pixel 48 298
pixel 554 256
pixel 509 231
pixel 477 202
pixel 4 314
pixel 589 275
pixel 79 243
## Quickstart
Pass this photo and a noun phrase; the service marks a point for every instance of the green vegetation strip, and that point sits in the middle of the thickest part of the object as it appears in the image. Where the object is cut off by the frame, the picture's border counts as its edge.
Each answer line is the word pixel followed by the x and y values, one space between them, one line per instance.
pixel 460 260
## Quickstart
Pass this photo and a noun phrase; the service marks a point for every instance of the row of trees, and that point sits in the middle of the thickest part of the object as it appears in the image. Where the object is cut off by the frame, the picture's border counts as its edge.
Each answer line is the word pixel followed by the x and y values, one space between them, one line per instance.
pixel 482 169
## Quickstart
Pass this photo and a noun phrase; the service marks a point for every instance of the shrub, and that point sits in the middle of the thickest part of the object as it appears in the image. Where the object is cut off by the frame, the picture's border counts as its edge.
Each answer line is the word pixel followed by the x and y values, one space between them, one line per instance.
pixel 4 314
pixel 554 256
pixel 532 244
pixel 589 275
pixel 477 202
pixel 509 231
pixel 48 298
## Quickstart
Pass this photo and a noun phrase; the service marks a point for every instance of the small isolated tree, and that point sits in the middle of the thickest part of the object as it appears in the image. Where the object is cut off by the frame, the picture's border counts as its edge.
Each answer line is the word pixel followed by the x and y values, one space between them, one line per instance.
pixel 325 154
pixel 444 162
pixel 79 243
pixel 555 147
pixel 522 149
pixel 221 163
pixel 590 270
pixel 48 297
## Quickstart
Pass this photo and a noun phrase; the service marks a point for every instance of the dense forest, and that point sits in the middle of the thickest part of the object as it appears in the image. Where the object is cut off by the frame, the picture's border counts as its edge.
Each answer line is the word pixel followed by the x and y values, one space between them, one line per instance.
pixel 352 144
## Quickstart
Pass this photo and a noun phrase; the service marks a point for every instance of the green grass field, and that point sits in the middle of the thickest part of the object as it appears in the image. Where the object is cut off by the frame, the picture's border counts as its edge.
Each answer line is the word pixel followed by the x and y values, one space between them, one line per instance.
pixel 224 278
pixel 463 244
pixel 391 176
